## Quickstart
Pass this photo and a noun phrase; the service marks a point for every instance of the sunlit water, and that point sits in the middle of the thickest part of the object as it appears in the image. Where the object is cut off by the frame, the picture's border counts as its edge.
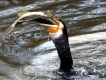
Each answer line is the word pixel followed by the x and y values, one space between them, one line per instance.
pixel 29 54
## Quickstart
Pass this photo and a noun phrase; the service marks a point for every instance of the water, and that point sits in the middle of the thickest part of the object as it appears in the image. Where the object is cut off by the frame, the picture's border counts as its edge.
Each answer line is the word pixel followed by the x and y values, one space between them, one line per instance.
pixel 29 54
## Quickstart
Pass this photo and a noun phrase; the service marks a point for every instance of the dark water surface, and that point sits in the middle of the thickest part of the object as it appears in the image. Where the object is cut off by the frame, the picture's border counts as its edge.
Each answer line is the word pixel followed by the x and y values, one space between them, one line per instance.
pixel 29 54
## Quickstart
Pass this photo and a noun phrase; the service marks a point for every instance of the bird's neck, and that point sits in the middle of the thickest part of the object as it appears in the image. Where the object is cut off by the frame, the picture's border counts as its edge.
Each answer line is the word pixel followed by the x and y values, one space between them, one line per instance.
pixel 63 49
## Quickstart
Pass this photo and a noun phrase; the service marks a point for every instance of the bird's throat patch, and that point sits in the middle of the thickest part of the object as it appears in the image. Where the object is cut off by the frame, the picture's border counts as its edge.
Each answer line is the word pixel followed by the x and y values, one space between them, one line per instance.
pixel 53 29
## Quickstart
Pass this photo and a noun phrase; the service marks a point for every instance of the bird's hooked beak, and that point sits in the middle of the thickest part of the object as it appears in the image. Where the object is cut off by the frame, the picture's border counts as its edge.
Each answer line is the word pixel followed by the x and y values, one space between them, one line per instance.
pixel 52 28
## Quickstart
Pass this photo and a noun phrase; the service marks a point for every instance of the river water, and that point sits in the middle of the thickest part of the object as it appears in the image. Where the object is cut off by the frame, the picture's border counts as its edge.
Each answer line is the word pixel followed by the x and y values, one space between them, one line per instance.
pixel 28 52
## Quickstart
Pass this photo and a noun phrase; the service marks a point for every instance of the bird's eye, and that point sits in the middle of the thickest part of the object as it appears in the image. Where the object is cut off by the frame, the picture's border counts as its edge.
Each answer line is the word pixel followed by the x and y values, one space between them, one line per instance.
pixel 58 19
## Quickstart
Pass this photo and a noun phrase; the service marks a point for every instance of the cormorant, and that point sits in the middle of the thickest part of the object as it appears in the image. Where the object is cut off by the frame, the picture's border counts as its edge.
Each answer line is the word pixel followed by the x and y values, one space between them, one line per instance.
pixel 57 30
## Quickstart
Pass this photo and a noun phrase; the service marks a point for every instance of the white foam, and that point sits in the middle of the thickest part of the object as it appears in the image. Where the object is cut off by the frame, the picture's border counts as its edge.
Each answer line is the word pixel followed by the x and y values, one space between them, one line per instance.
pixel 88 37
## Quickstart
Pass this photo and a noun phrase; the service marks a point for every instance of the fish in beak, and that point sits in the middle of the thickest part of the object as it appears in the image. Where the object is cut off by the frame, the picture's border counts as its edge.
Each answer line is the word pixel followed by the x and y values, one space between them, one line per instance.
pixel 50 22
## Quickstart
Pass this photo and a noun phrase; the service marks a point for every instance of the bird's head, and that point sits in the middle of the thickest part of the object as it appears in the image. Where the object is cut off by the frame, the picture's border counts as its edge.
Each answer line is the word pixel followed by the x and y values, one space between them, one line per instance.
pixel 53 24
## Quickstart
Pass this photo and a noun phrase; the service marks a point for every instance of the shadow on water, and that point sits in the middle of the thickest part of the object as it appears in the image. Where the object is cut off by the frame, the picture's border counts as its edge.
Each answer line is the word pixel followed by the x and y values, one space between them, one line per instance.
pixel 29 54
